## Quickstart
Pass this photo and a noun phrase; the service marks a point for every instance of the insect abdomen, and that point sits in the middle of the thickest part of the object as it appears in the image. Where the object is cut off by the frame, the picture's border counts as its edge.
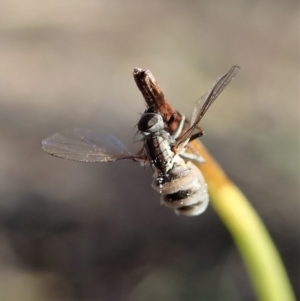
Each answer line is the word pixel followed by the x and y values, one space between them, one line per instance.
pixel 183 189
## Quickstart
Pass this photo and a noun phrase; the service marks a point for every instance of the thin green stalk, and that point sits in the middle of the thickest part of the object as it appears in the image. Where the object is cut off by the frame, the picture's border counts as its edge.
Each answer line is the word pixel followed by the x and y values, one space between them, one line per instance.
pixel 251 237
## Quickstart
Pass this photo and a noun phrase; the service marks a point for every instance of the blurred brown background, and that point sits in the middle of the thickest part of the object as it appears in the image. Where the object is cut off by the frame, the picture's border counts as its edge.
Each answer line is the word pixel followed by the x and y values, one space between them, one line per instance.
pixel 72 231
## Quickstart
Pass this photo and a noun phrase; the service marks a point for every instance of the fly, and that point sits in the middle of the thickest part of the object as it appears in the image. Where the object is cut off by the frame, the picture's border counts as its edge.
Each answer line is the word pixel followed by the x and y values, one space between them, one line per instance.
pixel 166 134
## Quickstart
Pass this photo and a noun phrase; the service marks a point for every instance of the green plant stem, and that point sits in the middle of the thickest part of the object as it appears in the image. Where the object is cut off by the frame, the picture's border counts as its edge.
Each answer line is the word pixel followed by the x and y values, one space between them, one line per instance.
pixel 251 237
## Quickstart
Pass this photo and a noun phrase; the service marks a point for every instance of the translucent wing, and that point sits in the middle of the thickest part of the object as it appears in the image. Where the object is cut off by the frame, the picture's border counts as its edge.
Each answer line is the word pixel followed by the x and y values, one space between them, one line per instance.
pixel 206 100
pixel 86 146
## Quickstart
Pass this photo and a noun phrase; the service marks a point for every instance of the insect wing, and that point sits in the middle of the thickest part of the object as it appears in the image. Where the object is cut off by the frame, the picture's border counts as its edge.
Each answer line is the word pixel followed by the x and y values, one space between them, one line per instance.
pixel 86 146
pixel 205 101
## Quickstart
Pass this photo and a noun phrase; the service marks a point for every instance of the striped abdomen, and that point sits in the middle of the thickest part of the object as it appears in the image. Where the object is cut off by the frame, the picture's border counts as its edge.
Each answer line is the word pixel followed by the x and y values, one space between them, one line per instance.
pixel 183 188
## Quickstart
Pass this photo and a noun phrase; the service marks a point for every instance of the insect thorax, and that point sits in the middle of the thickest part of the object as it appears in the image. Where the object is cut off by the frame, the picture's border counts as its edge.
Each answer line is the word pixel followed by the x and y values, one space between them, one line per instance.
pixel 159 151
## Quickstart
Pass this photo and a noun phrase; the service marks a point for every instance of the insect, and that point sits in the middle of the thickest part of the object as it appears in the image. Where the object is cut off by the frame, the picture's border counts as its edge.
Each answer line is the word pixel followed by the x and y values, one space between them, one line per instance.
pixel 166 135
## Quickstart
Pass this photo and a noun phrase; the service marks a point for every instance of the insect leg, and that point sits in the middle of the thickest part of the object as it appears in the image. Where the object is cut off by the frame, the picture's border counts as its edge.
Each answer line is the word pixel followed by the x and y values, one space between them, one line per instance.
pixel 178 131
pixel 197 135
pixel 194 157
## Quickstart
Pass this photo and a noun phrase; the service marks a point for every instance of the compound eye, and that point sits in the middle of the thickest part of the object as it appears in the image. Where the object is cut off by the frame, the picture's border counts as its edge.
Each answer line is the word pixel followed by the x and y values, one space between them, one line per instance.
pixel 150 122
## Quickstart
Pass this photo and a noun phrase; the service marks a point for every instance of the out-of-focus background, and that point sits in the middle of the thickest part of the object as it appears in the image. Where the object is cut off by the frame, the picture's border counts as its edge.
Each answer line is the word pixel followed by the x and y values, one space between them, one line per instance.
pixel 73 231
